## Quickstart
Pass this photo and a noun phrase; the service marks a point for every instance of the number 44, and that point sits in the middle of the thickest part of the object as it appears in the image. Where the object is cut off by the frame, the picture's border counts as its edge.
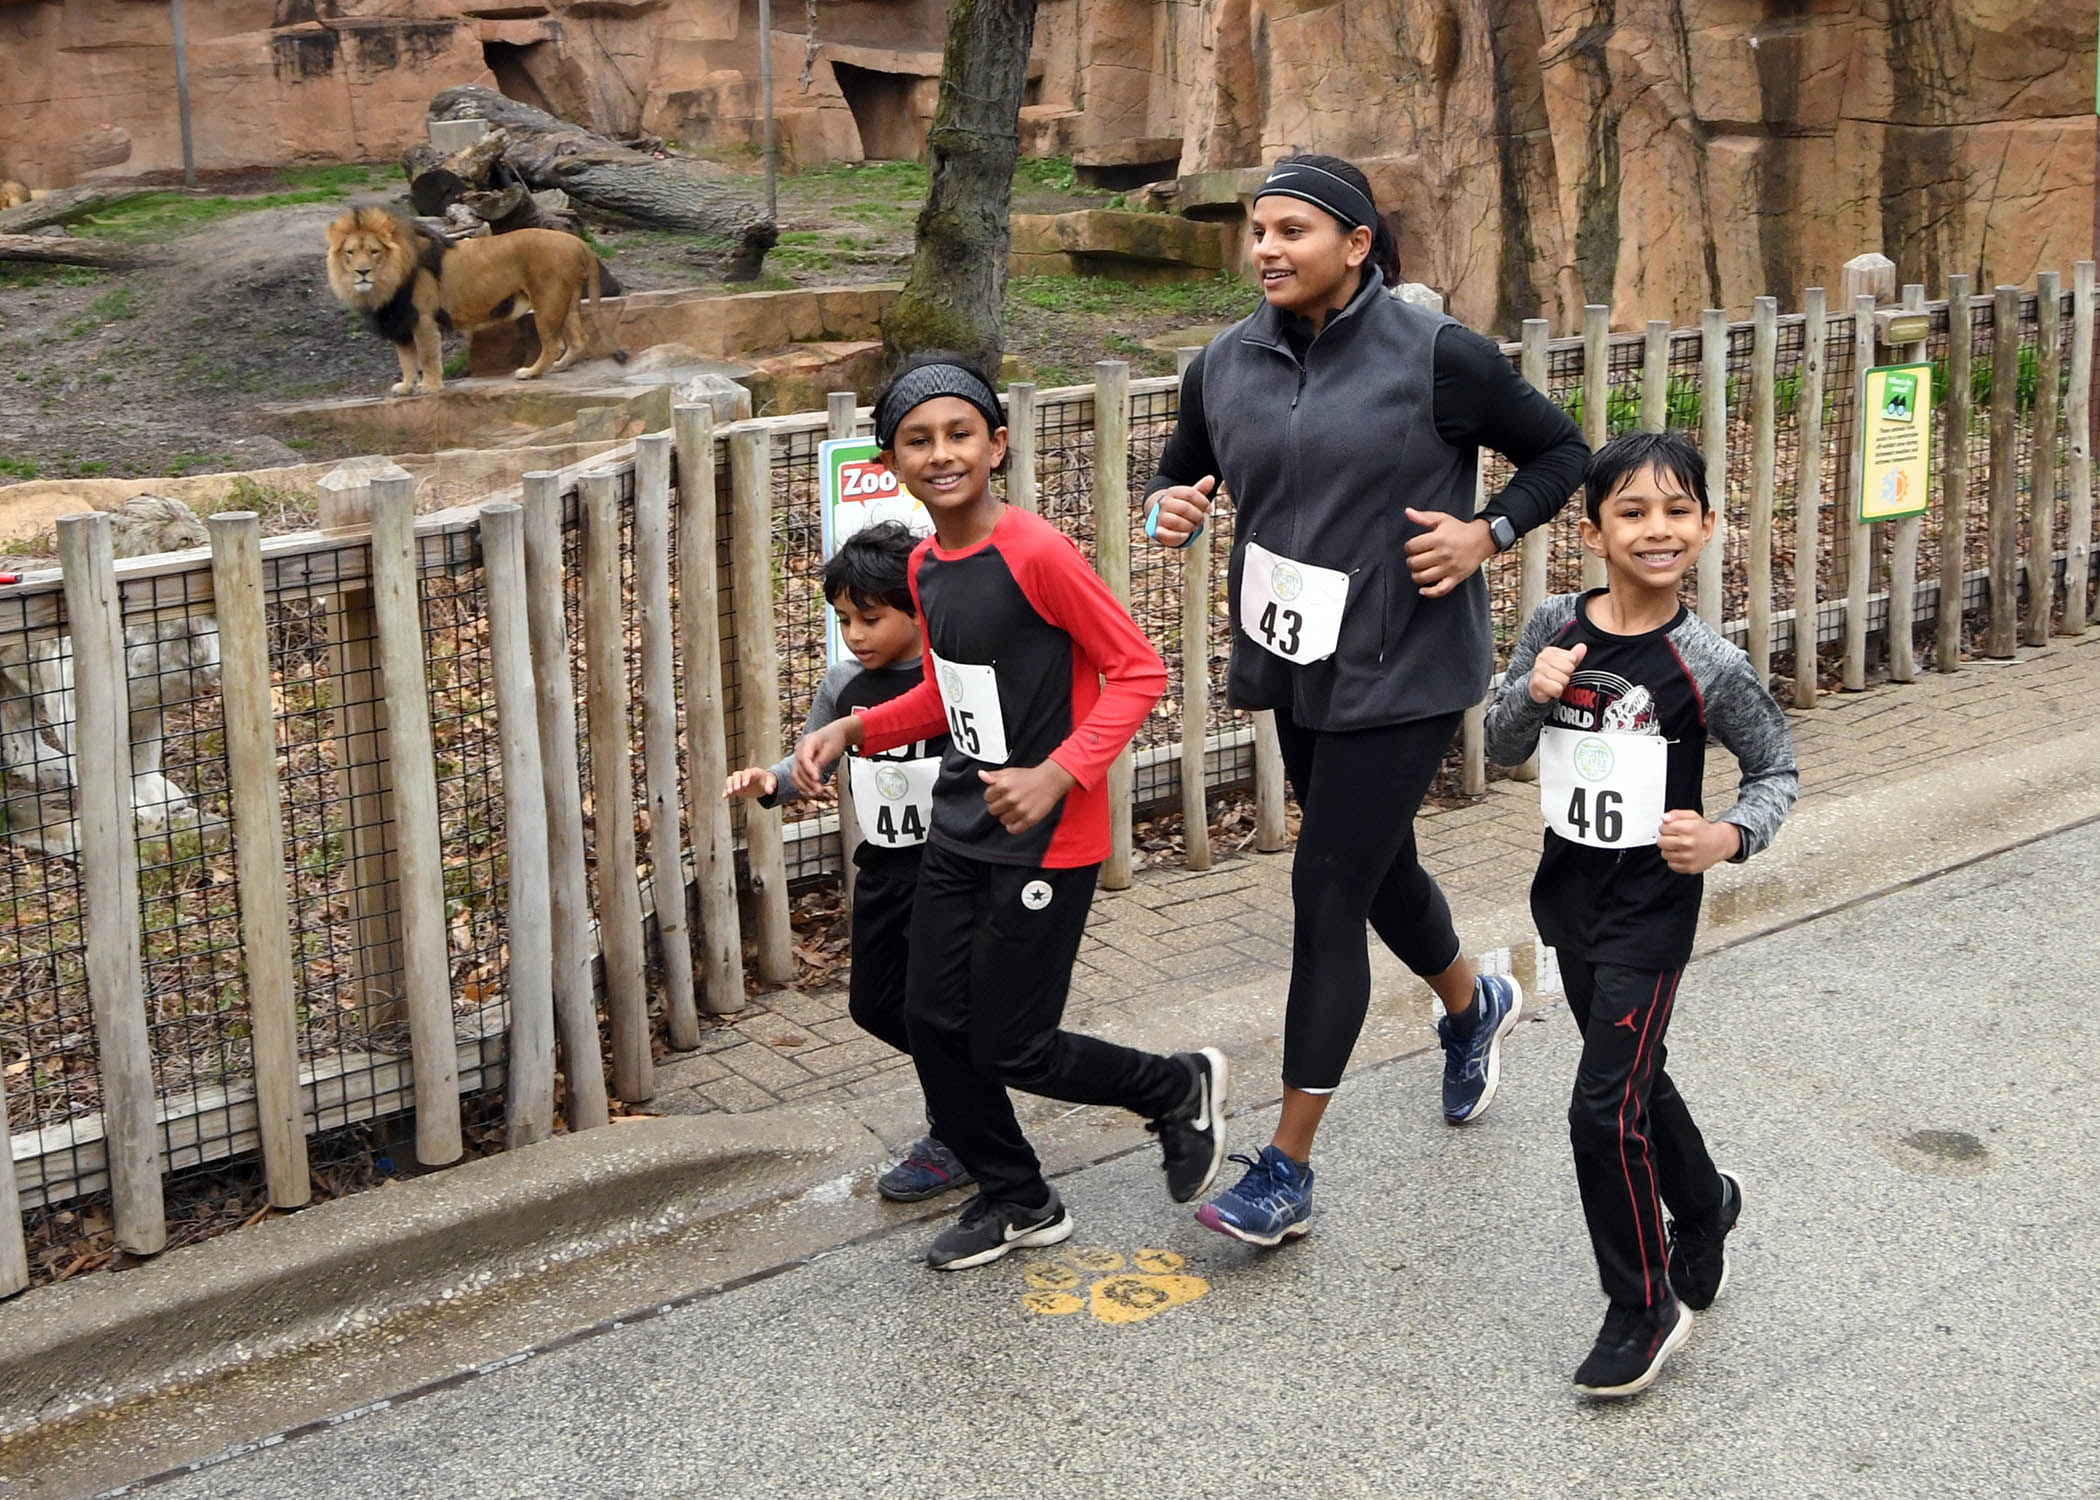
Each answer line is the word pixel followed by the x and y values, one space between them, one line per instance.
pixel 1610 822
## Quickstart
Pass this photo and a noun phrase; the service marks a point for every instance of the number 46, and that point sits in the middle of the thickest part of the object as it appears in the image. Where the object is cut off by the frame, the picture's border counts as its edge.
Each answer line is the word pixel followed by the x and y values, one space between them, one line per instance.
pixel 1611 823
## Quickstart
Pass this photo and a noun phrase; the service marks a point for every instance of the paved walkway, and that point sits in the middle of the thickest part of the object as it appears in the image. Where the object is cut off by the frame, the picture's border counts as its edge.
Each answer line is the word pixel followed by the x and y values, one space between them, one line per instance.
pixel 1177 936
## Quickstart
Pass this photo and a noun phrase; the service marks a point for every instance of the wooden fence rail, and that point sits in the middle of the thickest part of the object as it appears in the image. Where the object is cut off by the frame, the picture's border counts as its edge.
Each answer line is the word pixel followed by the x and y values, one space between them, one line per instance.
pixel 344 688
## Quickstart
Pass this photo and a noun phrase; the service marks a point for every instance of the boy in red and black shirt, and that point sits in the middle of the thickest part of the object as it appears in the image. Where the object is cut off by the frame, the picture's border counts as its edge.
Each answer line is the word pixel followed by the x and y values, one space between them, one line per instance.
pixel 1039 678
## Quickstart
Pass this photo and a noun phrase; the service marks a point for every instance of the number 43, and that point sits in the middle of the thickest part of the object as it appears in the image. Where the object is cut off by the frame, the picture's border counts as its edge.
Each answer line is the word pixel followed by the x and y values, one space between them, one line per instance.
pixel 1611 823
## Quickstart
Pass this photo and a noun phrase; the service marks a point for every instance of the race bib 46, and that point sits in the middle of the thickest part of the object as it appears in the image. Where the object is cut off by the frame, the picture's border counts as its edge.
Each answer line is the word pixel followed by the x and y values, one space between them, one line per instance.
pixel 1602 788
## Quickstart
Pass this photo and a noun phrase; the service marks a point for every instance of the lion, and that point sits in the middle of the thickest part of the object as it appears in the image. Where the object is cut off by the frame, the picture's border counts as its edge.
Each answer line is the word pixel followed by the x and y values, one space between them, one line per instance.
pixel 13 194
pixel 409 286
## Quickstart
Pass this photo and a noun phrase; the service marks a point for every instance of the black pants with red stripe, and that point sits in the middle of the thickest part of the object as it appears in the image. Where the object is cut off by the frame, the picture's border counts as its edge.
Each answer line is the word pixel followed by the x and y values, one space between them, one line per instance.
pixel 992 947
pixel 1636 1148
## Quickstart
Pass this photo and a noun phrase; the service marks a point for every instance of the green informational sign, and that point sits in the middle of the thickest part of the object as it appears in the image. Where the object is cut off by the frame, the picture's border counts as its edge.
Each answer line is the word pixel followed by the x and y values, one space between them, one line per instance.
pixel 1895 442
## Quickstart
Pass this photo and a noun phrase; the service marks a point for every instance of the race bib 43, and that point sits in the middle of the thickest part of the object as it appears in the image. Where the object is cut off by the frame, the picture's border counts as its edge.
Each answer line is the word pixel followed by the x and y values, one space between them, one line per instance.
pixel 1291 609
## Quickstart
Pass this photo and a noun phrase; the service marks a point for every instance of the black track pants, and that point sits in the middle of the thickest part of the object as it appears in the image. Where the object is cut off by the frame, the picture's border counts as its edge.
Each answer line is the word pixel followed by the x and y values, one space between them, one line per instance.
pixel 1358 791
pixel 991 961
pixel 1636 1148
pixel 881 944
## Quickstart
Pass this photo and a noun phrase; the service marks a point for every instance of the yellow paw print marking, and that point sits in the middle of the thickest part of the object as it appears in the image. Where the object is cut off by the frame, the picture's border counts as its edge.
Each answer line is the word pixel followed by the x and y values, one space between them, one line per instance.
pixel 1155 1285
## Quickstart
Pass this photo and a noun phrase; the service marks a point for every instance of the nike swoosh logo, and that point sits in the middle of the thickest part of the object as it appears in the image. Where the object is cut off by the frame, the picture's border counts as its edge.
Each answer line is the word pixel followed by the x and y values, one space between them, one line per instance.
pixel 1202 1120
pixel 1012 1233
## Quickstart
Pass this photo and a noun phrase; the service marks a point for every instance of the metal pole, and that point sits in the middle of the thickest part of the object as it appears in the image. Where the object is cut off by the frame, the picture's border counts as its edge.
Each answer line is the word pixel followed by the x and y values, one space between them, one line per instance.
pixel 765 83
pixel 182 100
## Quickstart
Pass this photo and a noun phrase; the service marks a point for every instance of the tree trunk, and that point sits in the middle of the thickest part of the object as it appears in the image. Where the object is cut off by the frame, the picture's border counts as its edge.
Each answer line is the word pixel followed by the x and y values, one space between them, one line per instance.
pixel 54 250
pixel 603 176
pixel 954 297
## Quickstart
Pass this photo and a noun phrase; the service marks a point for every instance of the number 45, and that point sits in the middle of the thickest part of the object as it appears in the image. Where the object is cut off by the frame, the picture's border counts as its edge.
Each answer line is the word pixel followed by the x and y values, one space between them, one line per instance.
pixel 1611 823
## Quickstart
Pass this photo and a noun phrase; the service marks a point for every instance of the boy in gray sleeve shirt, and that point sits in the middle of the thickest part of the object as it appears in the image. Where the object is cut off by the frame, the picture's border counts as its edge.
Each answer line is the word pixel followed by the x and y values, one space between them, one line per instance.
pixel 867 584
pixel 1618 691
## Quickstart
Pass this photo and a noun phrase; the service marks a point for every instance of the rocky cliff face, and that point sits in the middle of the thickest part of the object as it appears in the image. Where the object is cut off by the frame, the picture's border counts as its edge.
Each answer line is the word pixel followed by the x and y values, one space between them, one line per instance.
pixel 1662 155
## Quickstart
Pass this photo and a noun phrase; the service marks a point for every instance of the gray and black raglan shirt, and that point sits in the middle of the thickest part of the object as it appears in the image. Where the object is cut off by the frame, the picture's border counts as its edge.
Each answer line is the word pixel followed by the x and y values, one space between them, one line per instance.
pixel 1683 682
pixel 847 689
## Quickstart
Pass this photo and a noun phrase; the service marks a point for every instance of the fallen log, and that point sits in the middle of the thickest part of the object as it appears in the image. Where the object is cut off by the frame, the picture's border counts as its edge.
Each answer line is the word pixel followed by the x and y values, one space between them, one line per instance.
pixel 602 176
pixel 62 207
pixel 59 251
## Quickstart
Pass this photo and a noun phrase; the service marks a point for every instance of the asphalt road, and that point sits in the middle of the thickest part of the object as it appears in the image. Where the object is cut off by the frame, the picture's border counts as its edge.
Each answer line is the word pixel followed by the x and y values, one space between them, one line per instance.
pixel 1906 1089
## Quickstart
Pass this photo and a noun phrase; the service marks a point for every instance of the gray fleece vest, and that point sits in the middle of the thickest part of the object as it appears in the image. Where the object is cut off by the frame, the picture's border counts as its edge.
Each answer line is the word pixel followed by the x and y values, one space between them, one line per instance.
pixel 1321 460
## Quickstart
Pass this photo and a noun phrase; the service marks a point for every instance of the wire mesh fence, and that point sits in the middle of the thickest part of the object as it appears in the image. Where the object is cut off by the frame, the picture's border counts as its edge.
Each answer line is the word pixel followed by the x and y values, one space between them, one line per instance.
pixel 337 782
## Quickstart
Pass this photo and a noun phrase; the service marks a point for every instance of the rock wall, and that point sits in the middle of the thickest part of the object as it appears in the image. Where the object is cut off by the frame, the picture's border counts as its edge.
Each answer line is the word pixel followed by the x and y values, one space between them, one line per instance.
pixel 1668 155
pixel 1662 155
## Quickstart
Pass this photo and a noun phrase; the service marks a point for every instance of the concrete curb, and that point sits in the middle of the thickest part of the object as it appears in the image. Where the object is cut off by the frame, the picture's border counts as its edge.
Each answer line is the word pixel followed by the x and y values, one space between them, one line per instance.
pixel 289 1283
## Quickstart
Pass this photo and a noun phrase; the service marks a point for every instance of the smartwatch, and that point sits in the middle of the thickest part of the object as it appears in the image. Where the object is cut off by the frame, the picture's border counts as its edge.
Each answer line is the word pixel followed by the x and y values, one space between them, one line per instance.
pixel 1503 533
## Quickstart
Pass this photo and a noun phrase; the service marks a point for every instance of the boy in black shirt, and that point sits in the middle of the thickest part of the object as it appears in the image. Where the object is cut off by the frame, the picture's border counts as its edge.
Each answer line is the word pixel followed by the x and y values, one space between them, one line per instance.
pixel 866 582
pixel 1618 690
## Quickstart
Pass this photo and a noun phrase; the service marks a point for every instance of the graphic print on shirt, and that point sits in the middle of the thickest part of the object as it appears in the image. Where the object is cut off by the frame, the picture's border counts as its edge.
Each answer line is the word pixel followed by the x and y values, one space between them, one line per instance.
pixel 1603 763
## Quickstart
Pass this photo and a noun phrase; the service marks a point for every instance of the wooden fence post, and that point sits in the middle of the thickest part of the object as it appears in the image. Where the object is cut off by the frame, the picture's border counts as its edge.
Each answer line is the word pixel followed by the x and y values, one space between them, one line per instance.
pixel 1859 552
pixel 109 881
pixel 1195 681
pixel 1271 827
pixel 1904 535
pixel 2078 519
pixel 1596 401
pixel 842 421
pixel 612 789
pixel 2041 498
pixel 1764 447
pixel 1808 497
pixel 528 1088
pixel 1532 550
pixel 1112 562
pixel 426 958
pixel 706 733
pixel 14 1250
pixel 258 848
pixel 1870 275
pixel 1020 446
pixel 1655 376
pixel 1954 488
pixel 758 685
pixel 561 779
pixel 2003 634
pixel 359 732
pixel 1713 443
pixel 652 602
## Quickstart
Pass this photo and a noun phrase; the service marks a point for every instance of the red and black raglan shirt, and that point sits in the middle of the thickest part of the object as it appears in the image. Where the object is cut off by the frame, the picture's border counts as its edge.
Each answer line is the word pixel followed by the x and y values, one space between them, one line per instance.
pixel 1074 678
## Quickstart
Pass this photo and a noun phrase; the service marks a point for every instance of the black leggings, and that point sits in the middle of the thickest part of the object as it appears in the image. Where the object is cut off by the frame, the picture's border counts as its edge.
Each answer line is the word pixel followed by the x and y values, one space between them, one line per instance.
pixel 1358 791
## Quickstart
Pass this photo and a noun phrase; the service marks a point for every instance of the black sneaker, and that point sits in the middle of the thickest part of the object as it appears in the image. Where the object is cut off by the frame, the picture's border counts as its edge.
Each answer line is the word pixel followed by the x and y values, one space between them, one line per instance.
pixel 1699 1256
pixel 1631 1348
pixel 1192 1136
pixel 987 1230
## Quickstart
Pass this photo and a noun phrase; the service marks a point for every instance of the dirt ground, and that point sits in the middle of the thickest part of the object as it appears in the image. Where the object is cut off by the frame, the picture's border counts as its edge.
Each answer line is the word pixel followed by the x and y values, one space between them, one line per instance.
pixel 160 370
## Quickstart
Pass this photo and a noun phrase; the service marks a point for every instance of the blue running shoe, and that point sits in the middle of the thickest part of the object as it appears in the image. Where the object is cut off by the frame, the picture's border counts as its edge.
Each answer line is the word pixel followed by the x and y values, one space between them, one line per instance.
pixel 1269 1205
pixel 928 1170
pixel 1473 1062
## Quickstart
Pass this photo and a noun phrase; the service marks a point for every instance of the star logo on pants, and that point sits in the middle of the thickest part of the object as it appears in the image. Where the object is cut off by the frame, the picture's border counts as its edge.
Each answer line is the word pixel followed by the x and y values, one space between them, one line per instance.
pixel 1036 895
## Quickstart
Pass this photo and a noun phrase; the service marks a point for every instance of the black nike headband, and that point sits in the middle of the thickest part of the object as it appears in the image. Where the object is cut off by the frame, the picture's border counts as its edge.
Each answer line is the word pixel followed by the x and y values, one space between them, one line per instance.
pixel 1323 189
pixel 927 383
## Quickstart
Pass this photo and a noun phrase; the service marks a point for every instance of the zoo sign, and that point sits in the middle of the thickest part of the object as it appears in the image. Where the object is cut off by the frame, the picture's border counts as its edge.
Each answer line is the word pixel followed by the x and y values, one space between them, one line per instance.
pixel 857 492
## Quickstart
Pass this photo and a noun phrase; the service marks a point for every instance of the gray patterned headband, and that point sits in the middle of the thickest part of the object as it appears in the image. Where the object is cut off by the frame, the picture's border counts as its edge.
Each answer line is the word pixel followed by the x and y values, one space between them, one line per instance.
pixel 926 383
pixel 1323 189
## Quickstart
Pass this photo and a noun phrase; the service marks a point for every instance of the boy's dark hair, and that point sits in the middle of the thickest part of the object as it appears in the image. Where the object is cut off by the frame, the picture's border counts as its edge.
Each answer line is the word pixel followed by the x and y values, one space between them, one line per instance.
pixel 872 566
pixel 1674 455
pixel 928 357
pixel 1385 248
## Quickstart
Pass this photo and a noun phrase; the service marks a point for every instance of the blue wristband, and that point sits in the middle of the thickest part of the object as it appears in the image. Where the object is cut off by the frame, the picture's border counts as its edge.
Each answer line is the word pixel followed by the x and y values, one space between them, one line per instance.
pixel 1152 528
